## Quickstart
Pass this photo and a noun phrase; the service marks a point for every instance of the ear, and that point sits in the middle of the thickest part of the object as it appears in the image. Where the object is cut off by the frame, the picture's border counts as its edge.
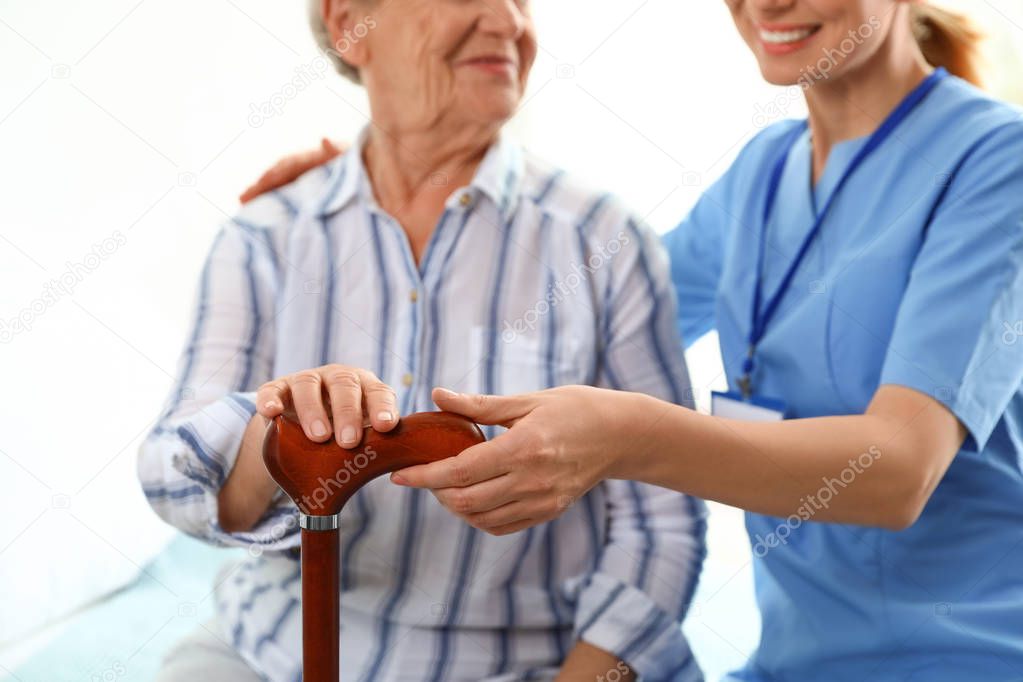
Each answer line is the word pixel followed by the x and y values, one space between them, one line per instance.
pixel 347 30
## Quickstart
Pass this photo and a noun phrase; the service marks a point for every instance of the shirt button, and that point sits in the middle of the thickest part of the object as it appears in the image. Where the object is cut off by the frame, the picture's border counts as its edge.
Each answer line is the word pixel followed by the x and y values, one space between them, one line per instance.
pixel 413 295
pixel 407 379
pixel 465 200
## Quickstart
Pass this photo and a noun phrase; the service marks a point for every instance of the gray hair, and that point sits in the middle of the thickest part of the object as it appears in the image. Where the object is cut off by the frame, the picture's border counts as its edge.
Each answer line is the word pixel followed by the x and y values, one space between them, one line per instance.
pixel 326 45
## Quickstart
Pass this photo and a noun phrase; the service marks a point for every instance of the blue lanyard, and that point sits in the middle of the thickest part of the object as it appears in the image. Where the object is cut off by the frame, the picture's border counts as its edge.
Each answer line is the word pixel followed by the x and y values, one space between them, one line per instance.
pixel 759 321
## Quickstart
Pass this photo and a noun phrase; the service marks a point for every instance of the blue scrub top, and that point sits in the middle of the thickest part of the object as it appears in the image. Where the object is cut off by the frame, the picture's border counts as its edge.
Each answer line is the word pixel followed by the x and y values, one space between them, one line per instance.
pixel 916 279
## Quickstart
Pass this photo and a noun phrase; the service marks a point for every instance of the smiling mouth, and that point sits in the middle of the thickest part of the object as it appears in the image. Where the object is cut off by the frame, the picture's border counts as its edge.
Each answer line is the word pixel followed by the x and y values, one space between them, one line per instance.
pixel 785 35
pixel 493 65
pixel 490 61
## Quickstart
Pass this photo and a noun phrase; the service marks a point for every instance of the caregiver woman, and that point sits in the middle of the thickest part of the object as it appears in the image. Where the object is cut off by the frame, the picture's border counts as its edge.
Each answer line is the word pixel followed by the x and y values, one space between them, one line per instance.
pixel 864 271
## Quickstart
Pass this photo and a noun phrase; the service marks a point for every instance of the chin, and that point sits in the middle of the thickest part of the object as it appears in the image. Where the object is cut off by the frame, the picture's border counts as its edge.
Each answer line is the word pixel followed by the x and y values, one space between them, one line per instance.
pixel 495 117
pixel 792 68
pixel 495 106
pixel 776 74
pixel 795 69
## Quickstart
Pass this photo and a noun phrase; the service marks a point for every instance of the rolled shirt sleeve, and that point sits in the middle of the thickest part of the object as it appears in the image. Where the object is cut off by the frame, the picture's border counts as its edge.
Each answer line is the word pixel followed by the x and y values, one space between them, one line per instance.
pixel 958 336
pixel 187 456
pixel 633 604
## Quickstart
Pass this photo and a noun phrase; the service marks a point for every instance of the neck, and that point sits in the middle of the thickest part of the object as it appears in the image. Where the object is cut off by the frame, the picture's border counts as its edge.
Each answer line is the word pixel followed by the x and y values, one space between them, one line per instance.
pixel 856 104
pixel 414 171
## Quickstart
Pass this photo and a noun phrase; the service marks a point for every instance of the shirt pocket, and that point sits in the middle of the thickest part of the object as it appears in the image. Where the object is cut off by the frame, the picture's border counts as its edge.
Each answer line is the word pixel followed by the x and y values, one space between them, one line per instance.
pixel 864 305
pixel 527 362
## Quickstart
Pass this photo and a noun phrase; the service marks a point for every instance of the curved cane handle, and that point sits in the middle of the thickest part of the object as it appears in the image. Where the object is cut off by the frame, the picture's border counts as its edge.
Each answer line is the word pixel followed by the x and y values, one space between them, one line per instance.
pixel 322 477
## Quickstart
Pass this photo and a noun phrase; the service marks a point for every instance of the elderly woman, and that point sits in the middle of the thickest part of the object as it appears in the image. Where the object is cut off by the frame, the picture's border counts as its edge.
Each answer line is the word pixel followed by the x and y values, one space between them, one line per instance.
pixel 436 252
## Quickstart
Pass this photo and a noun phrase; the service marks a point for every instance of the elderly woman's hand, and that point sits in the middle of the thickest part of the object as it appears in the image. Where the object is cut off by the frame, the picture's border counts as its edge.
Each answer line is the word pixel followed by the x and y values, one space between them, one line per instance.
pixel 560 443
pixel 290 167
pixel 344 390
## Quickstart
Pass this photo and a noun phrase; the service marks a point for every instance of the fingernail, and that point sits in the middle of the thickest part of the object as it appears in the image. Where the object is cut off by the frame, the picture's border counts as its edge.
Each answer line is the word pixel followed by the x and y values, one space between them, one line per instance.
pixel 319 430
pixel 398 478
pixel 385 416
pixel 348 435
pixel 271 405
pixel 447 393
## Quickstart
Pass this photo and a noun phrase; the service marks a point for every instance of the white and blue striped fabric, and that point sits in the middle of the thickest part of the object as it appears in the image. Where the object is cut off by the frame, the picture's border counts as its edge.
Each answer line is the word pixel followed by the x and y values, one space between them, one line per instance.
pixel 529 281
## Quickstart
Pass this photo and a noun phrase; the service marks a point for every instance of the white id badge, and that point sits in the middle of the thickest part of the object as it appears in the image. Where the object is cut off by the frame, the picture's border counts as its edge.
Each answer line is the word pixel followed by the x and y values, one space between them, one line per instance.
pixel 732 405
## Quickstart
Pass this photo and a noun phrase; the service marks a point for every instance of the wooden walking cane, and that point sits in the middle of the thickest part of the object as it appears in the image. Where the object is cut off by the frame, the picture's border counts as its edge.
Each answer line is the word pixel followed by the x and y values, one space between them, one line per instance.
pixel 320 478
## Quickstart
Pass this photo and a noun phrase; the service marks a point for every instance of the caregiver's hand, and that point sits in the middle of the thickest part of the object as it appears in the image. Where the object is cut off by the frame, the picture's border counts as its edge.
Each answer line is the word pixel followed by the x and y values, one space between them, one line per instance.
pixel 290 167
pixel 348 392
pixel 560 443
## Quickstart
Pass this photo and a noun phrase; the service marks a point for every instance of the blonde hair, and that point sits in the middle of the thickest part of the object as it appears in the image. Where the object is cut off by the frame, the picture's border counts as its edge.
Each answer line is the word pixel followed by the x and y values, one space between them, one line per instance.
pixel 948 39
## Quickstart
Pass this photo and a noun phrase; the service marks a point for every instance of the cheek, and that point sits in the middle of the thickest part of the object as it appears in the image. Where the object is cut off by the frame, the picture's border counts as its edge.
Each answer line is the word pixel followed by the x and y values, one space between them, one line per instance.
pixel 825 9
pixel 842 16
pixel 528 49
pixel 741 19
pixel 852 39
pixel 426 37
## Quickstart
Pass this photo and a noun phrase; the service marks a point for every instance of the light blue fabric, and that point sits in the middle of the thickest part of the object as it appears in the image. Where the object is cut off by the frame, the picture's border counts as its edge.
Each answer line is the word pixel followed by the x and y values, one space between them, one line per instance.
pixel 916 279
pixel 124 637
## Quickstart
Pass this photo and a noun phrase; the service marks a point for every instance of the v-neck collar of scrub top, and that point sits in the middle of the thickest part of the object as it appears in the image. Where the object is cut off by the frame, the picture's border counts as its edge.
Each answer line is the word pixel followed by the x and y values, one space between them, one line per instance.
pixel 799 199
pixel 839 158
pixel 797 206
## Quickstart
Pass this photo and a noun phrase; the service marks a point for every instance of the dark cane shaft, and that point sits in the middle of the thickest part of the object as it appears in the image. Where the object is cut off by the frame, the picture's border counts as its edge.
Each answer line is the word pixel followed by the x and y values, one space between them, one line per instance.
pixel 320 478
pixel 321 606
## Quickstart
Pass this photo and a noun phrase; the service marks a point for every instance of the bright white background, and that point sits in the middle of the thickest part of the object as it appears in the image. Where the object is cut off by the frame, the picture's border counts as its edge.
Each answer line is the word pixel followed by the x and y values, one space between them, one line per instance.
pixel 132 118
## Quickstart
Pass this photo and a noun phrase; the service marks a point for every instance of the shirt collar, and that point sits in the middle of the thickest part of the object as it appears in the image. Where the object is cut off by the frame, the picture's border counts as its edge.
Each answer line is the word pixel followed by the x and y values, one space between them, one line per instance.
pixel 347 179
pixel 498 179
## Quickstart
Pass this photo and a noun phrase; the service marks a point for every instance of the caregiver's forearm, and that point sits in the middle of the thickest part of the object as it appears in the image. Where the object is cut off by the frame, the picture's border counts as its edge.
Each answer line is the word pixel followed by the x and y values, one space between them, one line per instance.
pixel 870 469
pixel 248 490
pixel 587 662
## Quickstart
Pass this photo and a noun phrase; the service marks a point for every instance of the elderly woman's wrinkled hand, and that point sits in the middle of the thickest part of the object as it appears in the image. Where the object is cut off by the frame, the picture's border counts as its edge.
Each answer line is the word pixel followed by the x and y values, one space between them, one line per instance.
pixel 344 391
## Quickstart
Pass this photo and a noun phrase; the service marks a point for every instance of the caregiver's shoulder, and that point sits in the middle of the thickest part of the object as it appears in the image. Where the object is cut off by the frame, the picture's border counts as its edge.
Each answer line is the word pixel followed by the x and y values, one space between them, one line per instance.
pixel 760 150
pixel 959 102
pixel 766 140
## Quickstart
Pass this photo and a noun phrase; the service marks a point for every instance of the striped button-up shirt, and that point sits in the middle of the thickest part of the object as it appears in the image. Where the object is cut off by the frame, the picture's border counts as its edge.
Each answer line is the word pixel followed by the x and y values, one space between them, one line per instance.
pixel 529 281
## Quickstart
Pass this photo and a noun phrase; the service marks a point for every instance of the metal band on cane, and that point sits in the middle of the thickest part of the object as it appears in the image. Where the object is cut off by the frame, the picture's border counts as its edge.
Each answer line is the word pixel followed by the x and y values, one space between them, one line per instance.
pixel 310 522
